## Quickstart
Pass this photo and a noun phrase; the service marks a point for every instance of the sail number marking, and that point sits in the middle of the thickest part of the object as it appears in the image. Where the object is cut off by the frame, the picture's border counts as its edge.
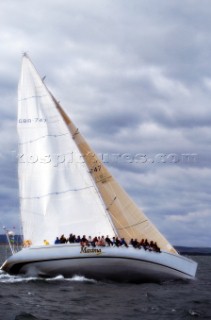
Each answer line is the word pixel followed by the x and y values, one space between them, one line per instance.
pixel 96 169
pixel 36 120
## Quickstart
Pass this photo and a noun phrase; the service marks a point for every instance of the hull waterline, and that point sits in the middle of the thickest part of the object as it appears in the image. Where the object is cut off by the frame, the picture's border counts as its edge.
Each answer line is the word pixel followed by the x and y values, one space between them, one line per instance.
pixel 112 263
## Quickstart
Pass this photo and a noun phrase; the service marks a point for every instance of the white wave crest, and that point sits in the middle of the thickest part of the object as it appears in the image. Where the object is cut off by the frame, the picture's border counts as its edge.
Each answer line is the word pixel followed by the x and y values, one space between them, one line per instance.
pixel 6 278
pixel 75 278
pixel 81 279
pixel 57 278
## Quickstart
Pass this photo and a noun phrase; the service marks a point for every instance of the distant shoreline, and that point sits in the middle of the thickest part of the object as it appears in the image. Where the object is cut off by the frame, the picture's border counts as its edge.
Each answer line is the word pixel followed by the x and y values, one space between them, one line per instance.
pixel 197 251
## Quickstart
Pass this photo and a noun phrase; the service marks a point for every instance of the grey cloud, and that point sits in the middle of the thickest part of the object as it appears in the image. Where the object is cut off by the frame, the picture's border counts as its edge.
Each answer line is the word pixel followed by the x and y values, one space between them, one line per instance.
pixel 134 76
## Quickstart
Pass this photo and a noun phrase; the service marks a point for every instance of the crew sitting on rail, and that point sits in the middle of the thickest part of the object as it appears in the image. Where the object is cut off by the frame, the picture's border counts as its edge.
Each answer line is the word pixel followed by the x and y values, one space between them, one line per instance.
pixel 134 243
pixel 152 246
pixel 123 242
pixel 106 241
pixel 57 241
pixel 63 239
pixel 84 241
pixel 71 238
pixel 78 239
pixel 27 243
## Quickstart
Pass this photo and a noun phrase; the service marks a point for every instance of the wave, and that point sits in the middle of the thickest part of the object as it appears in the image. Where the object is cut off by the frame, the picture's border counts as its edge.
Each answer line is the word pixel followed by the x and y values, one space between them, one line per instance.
pixel 6 278
pixel 81 279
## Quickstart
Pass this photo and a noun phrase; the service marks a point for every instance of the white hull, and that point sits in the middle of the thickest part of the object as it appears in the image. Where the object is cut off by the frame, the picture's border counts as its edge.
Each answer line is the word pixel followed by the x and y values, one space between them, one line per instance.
pixel 112 263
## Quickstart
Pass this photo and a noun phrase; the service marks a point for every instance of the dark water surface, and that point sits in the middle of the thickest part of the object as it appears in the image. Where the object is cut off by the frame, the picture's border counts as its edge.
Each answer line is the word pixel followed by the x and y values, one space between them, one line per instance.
pixel 80 298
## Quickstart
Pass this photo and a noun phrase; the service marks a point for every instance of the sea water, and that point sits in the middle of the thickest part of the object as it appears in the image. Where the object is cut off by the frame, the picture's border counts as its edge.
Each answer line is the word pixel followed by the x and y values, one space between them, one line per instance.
pixel 86 299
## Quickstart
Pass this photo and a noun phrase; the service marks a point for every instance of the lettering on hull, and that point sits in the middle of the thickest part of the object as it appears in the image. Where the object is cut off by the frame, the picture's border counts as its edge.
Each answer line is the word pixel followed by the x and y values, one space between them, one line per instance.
pixel 90 250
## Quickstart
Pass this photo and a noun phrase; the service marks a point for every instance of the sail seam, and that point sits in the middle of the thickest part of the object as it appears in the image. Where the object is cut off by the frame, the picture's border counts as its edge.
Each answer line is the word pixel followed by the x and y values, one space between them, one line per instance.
pixel 36 96
pixel 110 204
pixel 75 133
pixel 133 225
pixel 45 136
pixel 56 193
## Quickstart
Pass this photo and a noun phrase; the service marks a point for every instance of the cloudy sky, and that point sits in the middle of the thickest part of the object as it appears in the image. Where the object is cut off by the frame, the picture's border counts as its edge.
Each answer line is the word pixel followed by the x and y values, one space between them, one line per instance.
pixel 135 76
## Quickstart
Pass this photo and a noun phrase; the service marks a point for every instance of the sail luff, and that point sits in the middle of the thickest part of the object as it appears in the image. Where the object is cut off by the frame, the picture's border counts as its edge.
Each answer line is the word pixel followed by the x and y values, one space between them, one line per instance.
pixel 129 221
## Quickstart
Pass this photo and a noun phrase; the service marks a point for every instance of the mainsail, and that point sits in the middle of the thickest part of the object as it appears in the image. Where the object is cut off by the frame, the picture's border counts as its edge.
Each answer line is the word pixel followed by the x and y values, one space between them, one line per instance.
pixel 57 194
pixel 64 186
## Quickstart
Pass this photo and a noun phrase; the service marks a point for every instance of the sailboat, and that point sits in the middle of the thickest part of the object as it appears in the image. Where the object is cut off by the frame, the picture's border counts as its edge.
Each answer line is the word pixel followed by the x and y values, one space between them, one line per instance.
pixel 65 188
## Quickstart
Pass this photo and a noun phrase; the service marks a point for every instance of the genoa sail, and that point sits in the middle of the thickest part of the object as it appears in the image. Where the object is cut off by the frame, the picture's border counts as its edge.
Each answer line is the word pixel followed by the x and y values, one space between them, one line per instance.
pixel 70 189
pixel 128 219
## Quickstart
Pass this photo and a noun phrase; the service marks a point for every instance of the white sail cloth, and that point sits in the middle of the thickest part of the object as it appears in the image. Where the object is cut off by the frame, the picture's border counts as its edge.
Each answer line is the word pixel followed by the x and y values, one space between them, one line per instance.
pixel 57 193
